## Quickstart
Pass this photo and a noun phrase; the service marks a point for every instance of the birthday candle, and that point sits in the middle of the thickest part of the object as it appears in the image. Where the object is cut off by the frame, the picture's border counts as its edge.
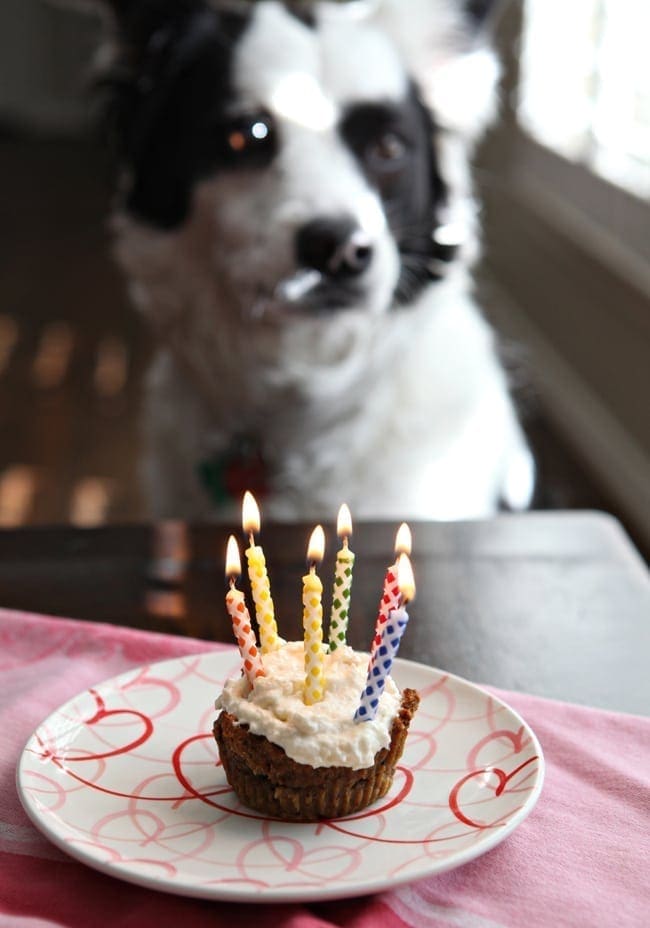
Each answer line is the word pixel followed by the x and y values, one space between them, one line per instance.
pixel 260 586
pixel 342 582
pixel 312 621
pixel 241 621
pixel 390 595
pixel 386 652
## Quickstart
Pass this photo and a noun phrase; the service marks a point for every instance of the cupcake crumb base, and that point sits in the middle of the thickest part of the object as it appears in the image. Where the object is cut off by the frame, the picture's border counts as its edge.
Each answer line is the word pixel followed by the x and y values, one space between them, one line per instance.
pixel 265 779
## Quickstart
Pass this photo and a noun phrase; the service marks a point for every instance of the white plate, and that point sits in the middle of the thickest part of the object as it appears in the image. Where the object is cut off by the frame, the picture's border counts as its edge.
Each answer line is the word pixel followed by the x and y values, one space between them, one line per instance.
pixel 125 777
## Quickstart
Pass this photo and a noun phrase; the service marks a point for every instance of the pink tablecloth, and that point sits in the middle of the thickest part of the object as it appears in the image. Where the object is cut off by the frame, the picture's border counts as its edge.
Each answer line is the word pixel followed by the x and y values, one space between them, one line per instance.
pixel 582 857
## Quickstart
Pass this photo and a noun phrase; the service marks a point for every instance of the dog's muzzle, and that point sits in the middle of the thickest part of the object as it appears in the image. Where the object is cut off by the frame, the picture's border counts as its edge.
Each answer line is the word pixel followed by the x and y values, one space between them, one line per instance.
pixel 331 256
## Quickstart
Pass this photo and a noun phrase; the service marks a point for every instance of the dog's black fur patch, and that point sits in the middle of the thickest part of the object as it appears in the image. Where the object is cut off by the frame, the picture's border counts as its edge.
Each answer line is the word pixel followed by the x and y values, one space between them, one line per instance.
pixel 395 148
pixel 479 11
pixel 170 89
pixel 301 11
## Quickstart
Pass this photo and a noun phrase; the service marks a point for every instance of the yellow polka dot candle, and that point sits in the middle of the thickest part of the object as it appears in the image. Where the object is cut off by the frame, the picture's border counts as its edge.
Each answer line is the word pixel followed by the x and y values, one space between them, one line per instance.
pixel 312 622
pixel 241 622
pixel 260 585
pixel 342 582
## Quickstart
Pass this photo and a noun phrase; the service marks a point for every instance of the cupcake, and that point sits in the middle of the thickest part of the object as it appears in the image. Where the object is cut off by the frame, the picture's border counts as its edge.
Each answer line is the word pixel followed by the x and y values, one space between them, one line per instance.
pixel 313 731
pixel 298 762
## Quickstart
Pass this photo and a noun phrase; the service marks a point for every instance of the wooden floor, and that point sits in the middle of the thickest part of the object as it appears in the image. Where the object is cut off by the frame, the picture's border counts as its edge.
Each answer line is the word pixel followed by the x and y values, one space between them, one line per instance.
pixel 73 352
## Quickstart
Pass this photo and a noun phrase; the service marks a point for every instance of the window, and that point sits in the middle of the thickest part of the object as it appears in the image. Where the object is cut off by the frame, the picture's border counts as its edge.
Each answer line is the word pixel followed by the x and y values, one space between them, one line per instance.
pixel 585 85
pixel 566 195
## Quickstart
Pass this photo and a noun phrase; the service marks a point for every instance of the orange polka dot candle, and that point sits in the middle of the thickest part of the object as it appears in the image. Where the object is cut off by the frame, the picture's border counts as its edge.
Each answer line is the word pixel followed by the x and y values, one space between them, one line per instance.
pixel 312 621
pixel 260 585
pixel 241 622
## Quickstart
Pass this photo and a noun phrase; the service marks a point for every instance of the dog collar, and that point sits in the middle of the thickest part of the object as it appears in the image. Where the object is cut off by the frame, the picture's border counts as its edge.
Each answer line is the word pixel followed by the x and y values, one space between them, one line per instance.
pixel 226 476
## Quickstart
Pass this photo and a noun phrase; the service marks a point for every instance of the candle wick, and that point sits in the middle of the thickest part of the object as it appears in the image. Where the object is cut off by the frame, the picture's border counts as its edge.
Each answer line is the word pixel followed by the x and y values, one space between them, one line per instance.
pixel 345 542
pixel 231 581
pixel 251 539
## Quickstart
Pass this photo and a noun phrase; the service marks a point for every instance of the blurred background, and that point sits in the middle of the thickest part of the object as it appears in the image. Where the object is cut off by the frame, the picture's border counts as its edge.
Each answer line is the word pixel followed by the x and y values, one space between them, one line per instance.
pixel 565 278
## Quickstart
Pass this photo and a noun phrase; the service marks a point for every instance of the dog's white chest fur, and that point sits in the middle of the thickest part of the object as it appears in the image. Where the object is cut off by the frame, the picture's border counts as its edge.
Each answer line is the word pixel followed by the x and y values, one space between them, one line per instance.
pixel 400 408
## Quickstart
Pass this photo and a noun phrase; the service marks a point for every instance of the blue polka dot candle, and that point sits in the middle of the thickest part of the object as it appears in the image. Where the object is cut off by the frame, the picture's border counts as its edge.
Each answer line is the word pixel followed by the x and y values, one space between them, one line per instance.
pixel 386 651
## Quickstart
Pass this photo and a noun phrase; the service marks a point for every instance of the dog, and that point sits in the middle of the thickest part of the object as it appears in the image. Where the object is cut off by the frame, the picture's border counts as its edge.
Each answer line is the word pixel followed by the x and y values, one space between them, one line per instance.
pixel 296 220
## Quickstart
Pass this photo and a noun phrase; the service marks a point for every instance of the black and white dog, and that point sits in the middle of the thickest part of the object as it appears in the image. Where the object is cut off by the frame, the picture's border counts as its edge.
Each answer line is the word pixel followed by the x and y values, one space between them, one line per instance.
pixel 297 223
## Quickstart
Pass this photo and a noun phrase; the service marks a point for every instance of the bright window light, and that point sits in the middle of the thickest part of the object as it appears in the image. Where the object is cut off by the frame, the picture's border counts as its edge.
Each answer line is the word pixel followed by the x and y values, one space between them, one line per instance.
pixel 585 85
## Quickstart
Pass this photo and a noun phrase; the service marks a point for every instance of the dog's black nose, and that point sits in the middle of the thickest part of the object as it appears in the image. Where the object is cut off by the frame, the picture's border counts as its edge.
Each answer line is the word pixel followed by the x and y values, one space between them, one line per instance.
pixel 335 246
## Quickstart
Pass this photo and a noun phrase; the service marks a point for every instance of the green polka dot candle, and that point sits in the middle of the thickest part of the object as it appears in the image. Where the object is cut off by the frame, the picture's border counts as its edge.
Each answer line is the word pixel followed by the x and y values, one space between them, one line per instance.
pixel 342 583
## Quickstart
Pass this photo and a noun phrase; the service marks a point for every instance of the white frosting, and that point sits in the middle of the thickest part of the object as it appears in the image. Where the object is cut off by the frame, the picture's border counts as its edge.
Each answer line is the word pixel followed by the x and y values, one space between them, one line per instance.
pixel 322 735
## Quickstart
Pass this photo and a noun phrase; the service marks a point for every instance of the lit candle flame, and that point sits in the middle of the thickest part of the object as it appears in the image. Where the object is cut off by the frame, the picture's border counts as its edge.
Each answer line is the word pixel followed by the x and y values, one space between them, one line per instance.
pixel 403 539
pixel 233 560
pixel 344 522
pixel 316 548
pixel 405 579
pixel 250 514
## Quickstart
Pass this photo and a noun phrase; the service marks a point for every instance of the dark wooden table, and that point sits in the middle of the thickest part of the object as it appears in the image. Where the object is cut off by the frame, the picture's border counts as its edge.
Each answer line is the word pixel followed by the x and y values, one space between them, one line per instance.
pixel 556 603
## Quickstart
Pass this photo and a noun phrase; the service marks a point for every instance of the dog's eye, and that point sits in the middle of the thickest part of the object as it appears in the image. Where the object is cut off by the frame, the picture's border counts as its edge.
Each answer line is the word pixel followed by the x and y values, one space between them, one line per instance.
pixel 387 152
pixel 249 139
pixel 249 135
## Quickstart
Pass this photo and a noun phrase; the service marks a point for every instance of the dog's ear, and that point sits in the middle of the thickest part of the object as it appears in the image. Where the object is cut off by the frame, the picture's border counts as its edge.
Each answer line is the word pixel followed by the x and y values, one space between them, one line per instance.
pixel 446 47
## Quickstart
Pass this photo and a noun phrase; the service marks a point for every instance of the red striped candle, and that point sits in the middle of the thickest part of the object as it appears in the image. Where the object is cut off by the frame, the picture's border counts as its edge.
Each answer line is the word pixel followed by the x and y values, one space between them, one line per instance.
pixel 390 597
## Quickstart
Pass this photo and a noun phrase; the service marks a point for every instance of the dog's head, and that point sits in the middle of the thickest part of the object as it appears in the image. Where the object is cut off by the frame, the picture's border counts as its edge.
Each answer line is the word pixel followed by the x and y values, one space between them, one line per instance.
pixel 318 150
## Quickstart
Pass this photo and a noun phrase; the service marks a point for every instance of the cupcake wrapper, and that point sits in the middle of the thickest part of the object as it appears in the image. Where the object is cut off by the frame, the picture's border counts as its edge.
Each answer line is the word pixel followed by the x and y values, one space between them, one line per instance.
pixel 265 779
